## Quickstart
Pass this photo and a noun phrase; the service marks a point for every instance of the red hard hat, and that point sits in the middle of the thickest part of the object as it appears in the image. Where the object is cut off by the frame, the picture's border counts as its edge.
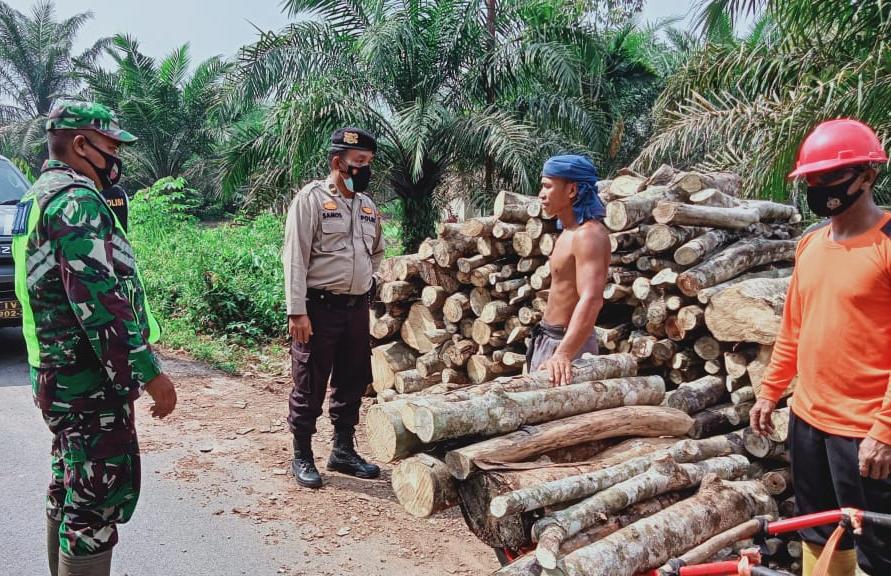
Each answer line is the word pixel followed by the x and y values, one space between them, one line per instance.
pixel 837 143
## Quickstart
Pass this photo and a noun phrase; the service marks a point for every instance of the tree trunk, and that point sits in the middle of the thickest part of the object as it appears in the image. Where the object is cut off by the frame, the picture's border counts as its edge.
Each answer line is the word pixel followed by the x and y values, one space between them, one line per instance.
pixel 687 183
pixel 455 307
pixel 512 531
pixel 423 486
pixel 546 244
pixel 512 207
pixel 482 369
pixel 653 422
pixel 420 320
pixel 629 212
pixel 698 450
pixel 385 327
pixel 478 227
pixel 529 441
pixel 524 245
pixel 762 446
pixel 387 360
pixel 743 395
pixel 628 240
pixel 733 261
pixel 506 412
pixel 714 420
pixel 491 247
pixel 718 506
pixel 388 438
pixel 698 248
pixel 536 227
pixel 505 231
pixel 662 477
pixel 411 381
pixel 471 263
pixel 447 254
pixel 696 396
pixel 709 549
pixel 497 311
pixel 778 482
pixel 715 198
pixel 707 348
pixel 704 296
pixel 433 275
pixel 691 318
pixel 661 237
pixel 430 363
pixel 679 214
pixel 398 291
pixel 750 311
pixel 458 355
pixel 433 297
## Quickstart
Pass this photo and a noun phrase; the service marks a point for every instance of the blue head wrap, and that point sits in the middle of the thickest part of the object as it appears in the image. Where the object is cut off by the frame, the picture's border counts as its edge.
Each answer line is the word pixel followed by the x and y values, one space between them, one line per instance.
pixel 581 170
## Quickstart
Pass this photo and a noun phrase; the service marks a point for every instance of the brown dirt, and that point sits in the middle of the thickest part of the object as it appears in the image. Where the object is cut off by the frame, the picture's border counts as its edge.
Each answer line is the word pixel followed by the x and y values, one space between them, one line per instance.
pixel 235 440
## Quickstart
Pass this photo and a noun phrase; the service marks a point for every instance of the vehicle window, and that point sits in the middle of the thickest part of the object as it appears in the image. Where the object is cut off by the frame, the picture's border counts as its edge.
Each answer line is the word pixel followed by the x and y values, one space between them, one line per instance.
pixel 12 185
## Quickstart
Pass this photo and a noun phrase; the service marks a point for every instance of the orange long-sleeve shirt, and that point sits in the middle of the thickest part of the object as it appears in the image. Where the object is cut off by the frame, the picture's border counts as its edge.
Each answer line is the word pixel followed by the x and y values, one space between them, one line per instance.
pixel 836 334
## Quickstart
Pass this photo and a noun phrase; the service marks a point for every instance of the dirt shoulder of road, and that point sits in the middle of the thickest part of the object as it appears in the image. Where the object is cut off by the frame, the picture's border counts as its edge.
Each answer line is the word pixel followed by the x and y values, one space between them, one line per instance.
pixel 233 435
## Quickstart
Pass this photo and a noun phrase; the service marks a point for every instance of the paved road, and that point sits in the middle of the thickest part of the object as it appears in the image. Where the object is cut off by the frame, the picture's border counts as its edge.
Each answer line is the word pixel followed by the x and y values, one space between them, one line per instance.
pixel 172 534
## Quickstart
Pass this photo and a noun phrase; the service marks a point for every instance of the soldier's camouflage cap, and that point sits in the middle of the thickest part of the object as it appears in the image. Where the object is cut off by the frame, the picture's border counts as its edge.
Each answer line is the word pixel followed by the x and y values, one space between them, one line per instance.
pixel 87 116
pixel 353 139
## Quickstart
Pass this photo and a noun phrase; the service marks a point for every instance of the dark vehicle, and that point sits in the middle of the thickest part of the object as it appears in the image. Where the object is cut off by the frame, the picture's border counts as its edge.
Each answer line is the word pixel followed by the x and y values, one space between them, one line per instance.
pixel 12 187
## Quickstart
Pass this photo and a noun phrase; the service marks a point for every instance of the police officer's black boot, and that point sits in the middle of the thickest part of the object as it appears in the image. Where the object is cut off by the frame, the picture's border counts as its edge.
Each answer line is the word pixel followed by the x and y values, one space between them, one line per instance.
pixel 345 459
pixel 304 466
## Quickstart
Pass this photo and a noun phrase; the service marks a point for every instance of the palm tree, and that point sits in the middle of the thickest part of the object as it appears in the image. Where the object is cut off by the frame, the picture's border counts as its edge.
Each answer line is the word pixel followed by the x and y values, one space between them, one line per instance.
pixel 169 109
pixel 447 103
pixel 747 105
pixel 36 68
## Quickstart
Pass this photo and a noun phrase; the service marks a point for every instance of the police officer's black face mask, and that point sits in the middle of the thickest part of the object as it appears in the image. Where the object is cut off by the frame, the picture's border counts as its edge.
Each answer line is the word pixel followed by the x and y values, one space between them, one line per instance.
pixel 356 178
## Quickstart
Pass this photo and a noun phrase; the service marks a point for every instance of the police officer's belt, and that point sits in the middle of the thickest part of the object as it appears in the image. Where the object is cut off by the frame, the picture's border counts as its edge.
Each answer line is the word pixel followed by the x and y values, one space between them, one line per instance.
pixel 334 300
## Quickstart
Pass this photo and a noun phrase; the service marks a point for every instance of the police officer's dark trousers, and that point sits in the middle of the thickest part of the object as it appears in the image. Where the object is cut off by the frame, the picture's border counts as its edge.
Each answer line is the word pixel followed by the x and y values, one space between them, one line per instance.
pixel 826 476
pixel 339 349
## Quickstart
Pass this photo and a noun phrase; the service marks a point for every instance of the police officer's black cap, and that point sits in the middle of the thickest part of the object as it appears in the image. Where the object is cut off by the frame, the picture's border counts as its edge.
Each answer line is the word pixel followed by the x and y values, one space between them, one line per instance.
pixel 353 139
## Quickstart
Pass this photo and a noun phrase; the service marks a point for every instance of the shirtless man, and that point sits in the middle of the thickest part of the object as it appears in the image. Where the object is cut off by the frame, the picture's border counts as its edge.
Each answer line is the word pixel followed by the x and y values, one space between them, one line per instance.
pixel 579 266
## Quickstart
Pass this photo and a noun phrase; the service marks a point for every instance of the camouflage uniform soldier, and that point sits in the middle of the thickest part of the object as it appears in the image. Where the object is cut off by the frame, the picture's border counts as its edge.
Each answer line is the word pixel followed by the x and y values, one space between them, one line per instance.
pixel 88 330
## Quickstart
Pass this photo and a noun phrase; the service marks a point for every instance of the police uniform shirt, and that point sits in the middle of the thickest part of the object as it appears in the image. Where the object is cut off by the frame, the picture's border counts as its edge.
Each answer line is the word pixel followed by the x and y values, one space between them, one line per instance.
pixel 331 243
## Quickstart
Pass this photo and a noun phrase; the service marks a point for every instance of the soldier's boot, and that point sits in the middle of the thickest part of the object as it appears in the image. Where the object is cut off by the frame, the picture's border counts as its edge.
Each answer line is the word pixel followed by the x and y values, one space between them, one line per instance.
pixel 304 466
pixel 345 459
pixel 92 565
pixel 52 545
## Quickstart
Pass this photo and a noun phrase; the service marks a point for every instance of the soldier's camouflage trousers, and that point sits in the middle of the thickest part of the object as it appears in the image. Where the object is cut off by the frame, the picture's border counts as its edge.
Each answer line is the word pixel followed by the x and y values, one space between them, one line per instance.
pixel 95 477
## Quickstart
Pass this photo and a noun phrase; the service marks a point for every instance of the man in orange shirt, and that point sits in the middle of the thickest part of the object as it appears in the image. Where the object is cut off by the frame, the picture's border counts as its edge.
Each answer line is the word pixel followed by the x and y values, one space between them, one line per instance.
pixel 836 336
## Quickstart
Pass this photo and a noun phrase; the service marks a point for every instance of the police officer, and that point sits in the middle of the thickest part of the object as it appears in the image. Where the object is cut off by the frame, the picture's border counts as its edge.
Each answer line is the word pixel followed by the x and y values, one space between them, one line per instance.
pixel 333 247
pixel 88 330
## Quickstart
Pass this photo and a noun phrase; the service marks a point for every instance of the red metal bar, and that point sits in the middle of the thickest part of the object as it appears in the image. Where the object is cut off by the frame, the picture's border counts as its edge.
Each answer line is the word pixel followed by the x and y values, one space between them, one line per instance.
pixel 728 568
pixel 807 521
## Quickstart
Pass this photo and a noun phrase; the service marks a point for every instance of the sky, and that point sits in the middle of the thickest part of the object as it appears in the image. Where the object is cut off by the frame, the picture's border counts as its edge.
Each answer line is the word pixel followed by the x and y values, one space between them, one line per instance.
pixel 213 27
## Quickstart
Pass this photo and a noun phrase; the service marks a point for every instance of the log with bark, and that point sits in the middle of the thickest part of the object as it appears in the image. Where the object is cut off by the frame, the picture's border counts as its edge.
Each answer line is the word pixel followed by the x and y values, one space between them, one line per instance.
pixel 477 227
pixel 398 291
pixel 696 396
pixel 414 330
pixel 498 413
pixel 749 311
pixel 411 381
pixel 778 482
pixel 704 296
pixel 687 183
pixel 455 307
pixel 629 212
pixel 694 251
pixel 739 257
pixel 718 506
pixel 701 449
pixel 481 368
pixel 423 486
pixel 389 359
pixel 663 476
pixel 433 297
pixel 712 547
pixel 388 437
pixel 529 441
pixel 512 207
pixel 662 237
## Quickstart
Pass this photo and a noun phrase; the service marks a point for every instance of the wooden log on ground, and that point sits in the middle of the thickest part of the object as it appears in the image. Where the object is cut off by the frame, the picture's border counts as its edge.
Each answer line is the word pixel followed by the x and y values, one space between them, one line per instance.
pixel 629 212
pixel 691 318
pixel 762 446
pixel 398 291
pixel 433 297
pixel 679 214
pixel 491 247
pixel 527 265
pixel 704 296
pixel 388 438
pixel 471 263
pixel 420 320
pixel 477 227
pixel 735 362
pixel 636 421
pixel 609 338
pixel 733 261
pixel 623 186
pixel 512 531
pixel 446 254
pixel 513 207
pixel 696 396
pixel 508 286
pixel 697 249
pixel 750 311
pixel 433 275
pixel 458 355
pixel 546 244
pixel 686 184
pixel 709 549
pixel 387 360
pixel 497 311
pixel 386 326
pixel 452 376
pixel 640 288
pixel 617 293
pixel 455 307
pixel 423 486
pixel 387 270
pixel 715 198
pixel 653 422
pixel 713 367
pixel 425 250
pixel 506 412
pixel 778 482
pixel 717 507
pixel 698 450
pixel 662 237
pixel 743 395
pixel 714 420
pixel 672 302
pixel 519 334
pixel 480 276
pixel 410 381
pixel 505 231
pixel 525 245
pixel 627 240
pixel 707 348
pixel 482 369
pixel 430 363
pixel 662 477
pixel 780 421
pixel 536 227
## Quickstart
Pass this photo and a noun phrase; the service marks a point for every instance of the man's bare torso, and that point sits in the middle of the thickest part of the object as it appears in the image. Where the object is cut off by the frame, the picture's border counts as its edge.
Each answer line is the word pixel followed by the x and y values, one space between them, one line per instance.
pixel 564 295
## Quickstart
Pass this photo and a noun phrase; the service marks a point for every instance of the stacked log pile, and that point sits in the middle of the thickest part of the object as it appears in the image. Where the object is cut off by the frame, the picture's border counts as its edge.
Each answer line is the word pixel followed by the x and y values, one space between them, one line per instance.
pixel 650 438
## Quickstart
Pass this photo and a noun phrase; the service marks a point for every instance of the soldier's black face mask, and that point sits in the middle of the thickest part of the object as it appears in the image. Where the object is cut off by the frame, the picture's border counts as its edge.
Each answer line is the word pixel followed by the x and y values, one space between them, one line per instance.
pixel 356 178
pixel 110 174
pixel 826 201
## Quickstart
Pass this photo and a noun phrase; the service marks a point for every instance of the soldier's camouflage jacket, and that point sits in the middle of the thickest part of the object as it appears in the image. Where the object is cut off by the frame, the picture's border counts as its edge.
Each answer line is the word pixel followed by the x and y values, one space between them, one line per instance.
pixel 89 342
